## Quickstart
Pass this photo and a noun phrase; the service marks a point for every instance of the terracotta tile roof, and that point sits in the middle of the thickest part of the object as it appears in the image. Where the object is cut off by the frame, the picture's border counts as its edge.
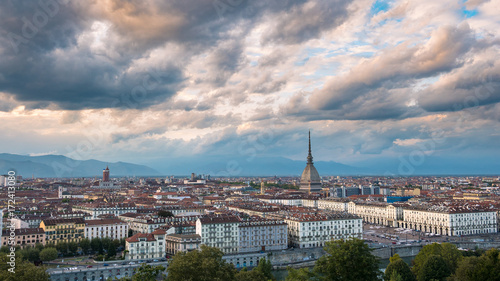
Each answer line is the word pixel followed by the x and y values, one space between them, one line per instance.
pixel 135 238
pixel 59 221
pixel 103 222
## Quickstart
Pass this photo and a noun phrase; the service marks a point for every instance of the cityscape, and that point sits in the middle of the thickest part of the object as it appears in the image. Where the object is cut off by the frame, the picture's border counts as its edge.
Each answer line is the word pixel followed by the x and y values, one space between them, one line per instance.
pixel 285 220
pixel 298 140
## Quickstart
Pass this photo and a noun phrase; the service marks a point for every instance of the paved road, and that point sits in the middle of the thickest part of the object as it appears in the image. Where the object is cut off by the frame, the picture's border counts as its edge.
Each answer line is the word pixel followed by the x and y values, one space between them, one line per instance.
pixel 97 266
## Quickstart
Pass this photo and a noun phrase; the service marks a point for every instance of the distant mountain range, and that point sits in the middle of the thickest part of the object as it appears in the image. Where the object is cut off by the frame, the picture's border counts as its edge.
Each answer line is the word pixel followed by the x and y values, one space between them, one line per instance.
pixel 62 166
pixel 250 166
pixel 235 166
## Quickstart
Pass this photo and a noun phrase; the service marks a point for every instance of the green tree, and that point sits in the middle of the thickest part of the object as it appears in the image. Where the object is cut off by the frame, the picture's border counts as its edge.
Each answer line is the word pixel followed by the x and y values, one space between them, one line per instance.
pixel 395 277
pixel 434 268
pixel 111 250
pixel 263 271
pixel 24 271
pixel 130 233
pixel 266 268
pixel 39 246
pixel 394 258
pixel 485 267
pixel 96 245
pixel 106 241
pixel 85 245
pixel 301 274
pixel 72 247
pixel 48 254
pixel 252 275
pixel 347 260
pixel 4 249
pixel 148 273
pixel 122 242
pixel 62 247
pixel 400 268
pixel 205 265
pixel 447 251
pixel 33 254
pixel 451 254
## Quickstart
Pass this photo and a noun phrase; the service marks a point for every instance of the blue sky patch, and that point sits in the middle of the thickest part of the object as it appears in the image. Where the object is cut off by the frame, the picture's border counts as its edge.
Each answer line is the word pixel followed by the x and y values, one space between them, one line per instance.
pixel 469 13
pixel 379 6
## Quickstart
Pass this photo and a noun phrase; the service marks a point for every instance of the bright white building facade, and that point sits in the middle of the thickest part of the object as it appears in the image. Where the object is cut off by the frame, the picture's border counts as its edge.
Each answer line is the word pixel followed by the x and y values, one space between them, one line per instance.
pixel 221 231
pixel 338 205
pixel 146 245
pixel 306 231
pixel 97 209
pixel 262 235
pixel 111 228
pixel 450 223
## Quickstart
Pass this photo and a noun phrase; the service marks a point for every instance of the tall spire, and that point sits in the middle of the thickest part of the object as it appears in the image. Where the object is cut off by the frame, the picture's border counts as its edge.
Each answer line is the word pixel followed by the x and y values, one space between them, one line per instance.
pixel 309 156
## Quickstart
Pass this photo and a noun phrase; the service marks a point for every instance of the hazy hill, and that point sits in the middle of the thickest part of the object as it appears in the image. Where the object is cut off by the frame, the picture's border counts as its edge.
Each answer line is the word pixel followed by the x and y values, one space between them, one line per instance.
pixel 62 166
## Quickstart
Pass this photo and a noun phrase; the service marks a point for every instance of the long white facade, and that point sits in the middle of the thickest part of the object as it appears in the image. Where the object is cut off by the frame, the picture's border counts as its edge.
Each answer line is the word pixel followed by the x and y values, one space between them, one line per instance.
pixel 437 218
pixel 310 232
pixel 97 209
pixel 451 224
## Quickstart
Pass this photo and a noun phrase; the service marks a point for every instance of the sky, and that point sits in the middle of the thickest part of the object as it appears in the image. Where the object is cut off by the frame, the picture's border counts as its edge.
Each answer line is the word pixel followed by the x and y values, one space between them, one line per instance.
pixel 147 81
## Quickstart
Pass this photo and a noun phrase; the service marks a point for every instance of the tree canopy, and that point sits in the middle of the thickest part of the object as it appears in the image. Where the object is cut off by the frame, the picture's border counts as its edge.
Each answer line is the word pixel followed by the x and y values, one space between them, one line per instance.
pixel 24 271
pixel 204 265
pixel 434 269
pixel 447 251
pixel 347 260
pixel 485 267
pixel 398 267
pixel 48 254
pixel 301 274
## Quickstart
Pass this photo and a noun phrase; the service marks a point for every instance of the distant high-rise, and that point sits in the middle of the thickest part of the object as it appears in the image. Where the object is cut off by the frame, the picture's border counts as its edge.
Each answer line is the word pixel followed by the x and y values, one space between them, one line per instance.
pixel 310 180
pixel 105 174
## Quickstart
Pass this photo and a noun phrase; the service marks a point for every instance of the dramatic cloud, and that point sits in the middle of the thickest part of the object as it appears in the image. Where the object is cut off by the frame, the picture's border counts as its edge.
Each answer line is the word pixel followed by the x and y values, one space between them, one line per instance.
pixel 145 81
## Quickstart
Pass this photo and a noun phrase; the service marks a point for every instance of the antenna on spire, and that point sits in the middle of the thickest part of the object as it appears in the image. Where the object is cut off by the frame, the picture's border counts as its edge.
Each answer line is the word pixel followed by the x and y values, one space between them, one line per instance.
pixel 309 156
pixel 309 141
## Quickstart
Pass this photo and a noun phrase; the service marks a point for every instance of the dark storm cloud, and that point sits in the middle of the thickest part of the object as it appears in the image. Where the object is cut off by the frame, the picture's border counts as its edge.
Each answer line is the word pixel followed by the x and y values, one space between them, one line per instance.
pixel 307 21
pixel 48 60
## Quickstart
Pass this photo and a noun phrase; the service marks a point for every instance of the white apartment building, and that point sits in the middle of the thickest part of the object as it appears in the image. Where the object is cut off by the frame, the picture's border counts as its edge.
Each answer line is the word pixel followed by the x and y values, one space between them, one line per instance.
pixel 112 228
pixel 442 218
pixel 97 209
pixel 376 212
pixel 309 231
pixel 450 222
pixel 313 203
pixel 147 224
pixel 333 204
pixel 221 231
pixel 182 243
pixel 257 234
pixel 283 200
pixel 146 245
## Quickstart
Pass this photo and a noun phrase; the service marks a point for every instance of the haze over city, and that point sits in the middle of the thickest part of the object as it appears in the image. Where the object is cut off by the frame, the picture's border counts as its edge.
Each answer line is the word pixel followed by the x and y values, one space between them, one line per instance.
pixel 378 83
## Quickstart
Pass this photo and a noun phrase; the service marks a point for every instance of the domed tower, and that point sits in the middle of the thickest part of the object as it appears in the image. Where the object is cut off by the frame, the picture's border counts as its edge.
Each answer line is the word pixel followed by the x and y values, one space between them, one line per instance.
pixel 310 180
